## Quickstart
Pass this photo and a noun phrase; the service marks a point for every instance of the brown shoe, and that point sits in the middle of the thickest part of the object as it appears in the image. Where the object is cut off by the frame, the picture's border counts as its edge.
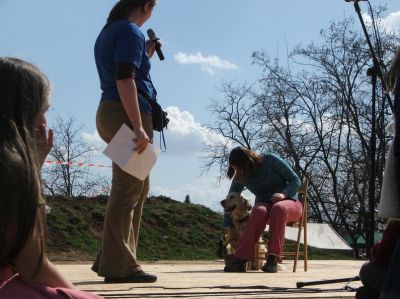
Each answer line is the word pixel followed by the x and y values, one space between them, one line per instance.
pixel 236 265
pixel 138 277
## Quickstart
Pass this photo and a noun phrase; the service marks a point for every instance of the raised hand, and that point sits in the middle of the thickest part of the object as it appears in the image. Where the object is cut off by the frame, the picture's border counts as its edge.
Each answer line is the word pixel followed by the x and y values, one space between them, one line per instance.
pixel 44 143
pixel 151 47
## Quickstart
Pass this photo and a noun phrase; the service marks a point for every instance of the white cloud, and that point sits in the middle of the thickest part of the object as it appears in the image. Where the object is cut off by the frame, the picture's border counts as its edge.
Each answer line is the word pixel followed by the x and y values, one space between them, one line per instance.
pixel 207 63
pixel 185 140
pixel 94 141
pixel 185 136
pixel 391 22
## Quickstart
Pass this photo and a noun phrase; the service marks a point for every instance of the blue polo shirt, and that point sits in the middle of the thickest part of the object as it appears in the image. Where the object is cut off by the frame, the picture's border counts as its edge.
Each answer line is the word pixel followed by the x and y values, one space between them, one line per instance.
pixel 123 42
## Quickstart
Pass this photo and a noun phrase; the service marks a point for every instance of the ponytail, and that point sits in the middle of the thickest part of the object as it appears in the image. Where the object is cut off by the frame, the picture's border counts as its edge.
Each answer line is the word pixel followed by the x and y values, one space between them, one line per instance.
pixel 123 8
pixel 116 13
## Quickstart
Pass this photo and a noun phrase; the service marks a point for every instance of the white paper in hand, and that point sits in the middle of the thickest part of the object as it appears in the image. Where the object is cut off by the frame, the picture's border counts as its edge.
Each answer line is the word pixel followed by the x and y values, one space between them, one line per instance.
pixel 121 151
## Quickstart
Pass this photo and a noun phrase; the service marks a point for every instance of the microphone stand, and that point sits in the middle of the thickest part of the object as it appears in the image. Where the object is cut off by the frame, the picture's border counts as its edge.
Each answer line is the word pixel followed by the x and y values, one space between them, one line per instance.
pixel 301 284
pixel 374 72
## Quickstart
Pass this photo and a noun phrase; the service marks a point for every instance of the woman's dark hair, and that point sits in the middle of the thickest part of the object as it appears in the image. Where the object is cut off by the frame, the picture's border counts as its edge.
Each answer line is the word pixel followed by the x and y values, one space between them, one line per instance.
pixel 123 8
pixel 394 72
pixel 23 89
pixel 245 161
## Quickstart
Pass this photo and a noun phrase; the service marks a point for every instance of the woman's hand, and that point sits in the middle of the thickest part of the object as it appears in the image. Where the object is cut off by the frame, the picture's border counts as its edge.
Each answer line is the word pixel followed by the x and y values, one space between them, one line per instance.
pixel 278 197
pixel 141 140
pixel 44 142
pixel 151 46
pixel 128 94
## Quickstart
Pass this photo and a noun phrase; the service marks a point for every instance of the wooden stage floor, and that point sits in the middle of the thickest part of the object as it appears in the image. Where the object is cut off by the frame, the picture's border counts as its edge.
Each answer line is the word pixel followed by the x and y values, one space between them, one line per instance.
pixel 207 280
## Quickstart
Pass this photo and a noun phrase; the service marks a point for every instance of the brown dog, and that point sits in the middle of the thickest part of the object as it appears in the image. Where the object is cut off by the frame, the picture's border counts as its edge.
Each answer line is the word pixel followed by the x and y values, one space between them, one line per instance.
pixel 239 209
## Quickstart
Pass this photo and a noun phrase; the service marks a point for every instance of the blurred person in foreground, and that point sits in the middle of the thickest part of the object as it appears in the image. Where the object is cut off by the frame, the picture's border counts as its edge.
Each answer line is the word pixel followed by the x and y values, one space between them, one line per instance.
pixel 374 274
pixel 25 271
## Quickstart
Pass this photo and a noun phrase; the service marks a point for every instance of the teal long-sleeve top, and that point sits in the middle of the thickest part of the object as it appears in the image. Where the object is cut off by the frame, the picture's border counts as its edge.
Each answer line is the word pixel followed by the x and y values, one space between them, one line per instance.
pixel 273 175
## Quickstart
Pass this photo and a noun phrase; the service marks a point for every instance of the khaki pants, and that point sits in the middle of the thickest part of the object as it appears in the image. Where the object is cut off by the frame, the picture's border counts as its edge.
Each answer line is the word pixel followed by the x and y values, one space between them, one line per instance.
pixel 117 257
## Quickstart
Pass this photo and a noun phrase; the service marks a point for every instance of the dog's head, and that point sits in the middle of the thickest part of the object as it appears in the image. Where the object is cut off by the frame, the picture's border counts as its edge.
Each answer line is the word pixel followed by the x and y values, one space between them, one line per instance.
pixel 236 205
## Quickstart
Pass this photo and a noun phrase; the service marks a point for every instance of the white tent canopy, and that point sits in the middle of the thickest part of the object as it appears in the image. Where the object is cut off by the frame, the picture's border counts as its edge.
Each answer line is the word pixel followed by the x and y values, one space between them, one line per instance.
pixel 319 235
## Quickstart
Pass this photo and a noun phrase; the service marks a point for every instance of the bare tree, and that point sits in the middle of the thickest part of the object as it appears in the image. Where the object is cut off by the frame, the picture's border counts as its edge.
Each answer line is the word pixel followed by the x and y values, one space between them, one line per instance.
pixel 69 176
pixel 235 122
pixel 317 113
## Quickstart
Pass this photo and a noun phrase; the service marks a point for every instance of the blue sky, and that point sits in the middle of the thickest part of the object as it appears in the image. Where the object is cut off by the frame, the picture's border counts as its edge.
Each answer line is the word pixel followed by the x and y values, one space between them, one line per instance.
pixel 204 42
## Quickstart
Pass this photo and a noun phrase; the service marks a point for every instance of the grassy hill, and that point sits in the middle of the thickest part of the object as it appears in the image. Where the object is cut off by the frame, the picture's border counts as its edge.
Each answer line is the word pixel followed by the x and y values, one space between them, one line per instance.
pixel 170 230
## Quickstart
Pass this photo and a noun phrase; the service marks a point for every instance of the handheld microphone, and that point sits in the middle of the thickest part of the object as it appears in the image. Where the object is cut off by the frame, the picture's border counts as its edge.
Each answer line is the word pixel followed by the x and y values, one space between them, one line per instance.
pixel 151 34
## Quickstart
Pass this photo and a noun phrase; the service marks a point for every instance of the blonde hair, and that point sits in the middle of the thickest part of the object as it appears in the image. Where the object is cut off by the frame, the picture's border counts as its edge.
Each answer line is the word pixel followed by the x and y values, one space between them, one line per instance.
pixel 393 73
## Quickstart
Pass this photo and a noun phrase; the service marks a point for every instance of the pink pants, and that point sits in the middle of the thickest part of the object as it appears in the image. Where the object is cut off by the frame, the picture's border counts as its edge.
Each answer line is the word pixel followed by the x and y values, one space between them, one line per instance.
pixel 277 216
pixel 12 287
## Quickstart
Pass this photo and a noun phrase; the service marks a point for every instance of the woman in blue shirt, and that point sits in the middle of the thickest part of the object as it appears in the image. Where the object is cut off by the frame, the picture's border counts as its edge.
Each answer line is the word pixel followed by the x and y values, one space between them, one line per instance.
pixel 123 63
pixel 274 184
